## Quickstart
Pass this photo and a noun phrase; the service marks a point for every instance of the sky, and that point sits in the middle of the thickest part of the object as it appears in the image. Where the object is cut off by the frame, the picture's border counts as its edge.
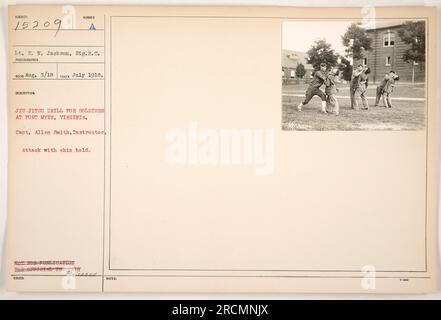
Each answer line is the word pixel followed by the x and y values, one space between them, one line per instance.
pixel 299 35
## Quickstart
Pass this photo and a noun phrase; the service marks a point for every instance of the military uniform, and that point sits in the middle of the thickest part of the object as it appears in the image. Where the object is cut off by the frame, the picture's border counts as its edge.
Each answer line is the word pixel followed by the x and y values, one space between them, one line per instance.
pixel 353 87
pixel 388 88
pixel 331 90
pixel 385 89
pixel 314 87
pixel 360 91
pixel 380 89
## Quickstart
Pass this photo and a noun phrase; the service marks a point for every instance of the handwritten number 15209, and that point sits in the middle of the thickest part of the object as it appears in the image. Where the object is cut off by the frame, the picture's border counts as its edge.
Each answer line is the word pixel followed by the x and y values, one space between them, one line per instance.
pixel 39 25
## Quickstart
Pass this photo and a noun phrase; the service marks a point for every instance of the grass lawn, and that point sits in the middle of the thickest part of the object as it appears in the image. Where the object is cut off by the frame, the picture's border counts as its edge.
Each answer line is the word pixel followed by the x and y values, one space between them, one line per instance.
pixel 400 90
pixel 405 114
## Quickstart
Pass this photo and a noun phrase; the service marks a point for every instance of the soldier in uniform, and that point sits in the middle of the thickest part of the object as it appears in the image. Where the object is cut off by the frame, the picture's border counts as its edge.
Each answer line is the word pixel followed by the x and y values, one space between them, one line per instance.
pixel 314 88
pixel 355 82
pixel 361 89
pixel 331 90
pixel 385 89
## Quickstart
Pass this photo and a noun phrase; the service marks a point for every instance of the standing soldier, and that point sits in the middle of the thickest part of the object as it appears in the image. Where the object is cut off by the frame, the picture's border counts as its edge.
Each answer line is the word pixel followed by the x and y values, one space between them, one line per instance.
pixel 354 85
pixel 314 88
pixel 361 89
pixel 331 91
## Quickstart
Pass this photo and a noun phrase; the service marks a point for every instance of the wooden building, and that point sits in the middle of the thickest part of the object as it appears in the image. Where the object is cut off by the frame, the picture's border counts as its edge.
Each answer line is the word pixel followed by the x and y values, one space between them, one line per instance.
pixel 387 54
pixel 290 60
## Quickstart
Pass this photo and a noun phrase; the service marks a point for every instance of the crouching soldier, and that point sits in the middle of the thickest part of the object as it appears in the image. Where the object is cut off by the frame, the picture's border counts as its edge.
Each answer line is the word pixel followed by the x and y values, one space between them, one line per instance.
pixel 385 89
pixel 314 88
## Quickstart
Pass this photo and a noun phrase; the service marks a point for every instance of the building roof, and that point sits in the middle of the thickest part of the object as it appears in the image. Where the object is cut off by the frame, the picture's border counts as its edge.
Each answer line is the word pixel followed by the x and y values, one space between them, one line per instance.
pixel 384 24
pixel 290 59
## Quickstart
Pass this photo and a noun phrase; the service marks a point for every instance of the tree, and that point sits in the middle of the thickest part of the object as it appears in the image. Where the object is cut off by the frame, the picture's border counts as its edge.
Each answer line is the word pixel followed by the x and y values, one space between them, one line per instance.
pixel 414 34
pixel 300 71
pixel 346 68
pixel 320 52
pixel 356 41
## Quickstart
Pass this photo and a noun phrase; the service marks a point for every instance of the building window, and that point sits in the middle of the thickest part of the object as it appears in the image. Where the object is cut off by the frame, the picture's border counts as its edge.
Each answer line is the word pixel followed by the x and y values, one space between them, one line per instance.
pixel 365 61
pixel 388 61
pixel 389 39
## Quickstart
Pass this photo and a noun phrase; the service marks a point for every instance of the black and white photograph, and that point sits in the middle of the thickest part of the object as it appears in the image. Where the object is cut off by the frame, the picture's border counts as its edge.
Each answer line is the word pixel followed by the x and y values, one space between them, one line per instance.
pixel 344 75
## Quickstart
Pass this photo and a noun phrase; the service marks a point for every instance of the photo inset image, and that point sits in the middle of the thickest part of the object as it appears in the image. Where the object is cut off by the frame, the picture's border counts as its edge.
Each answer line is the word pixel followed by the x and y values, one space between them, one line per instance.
pixel 340 75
